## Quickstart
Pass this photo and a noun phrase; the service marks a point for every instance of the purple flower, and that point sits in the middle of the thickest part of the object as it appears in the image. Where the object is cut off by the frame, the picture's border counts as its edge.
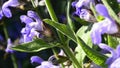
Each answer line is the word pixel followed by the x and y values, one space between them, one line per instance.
pixel 42 64
pixel 25 32
pixel 84 14
pixel 5 8
pixel 81 4
pixel 38 23
pixel 51 63
pixel 9 46
pixel 47 64
pixel 113 61
pixel 36 60
pixel 26 19
pixel 33 26
pixel 118 1
pixel 107 25
pixel 104 11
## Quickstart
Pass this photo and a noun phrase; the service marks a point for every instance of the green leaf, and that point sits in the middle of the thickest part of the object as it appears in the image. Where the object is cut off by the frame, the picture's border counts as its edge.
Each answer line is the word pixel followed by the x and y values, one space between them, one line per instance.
pixel 85 35
pixel 113 41
pixel 34 46
pixel 86 44
pixel 62 28
pixel 95 56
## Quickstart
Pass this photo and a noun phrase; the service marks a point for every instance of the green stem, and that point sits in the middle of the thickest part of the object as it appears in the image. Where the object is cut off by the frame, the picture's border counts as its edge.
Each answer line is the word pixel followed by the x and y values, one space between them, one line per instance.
pixel 71 56
pixel 56 56
pixel 68 15
pixel 5 31
pixel 14 61
pixel 32 1
pixel 55 53
pixel 93 10
pixel 54 18
pixel 12 55
pixel 51 11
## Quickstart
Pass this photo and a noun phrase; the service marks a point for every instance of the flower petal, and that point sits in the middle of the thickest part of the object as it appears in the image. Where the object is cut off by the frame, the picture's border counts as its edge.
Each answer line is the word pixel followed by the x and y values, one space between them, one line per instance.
pixel 85 14
pixel 106 47
pixel 115 64
pixel 96 37
pixel 47 64
pixel 7 12
pixel 118 1
pixel 36 60
pixel 39 24
pixel 106 26
pixel 9 46
pixel 118 51
pixel 12 3
pixel 101 9
pixel 33 15
pixel 26 19
pixel 1 15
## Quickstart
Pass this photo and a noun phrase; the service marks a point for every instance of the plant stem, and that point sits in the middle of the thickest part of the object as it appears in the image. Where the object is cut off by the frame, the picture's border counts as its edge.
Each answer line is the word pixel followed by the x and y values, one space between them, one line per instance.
pixel 55 53
pixel 32 1
pixel 5 31
pixel 56 56
pixel 51 11
pixel 14 61
pixel 68 15
pixel 12 55
pixel 54 18
pixel 71 56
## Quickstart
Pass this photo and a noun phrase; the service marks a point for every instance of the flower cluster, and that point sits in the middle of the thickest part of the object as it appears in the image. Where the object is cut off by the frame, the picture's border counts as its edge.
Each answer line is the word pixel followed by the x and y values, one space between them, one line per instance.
pixel 33 26
pixel 107 25
pixel 83 9
pixel 101 26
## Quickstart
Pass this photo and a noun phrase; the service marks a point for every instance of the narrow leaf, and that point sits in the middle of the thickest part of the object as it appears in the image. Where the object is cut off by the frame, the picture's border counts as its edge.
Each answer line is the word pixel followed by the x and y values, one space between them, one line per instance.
pixel 95 56
pixel 34 46
pixel 62 28
pixel 112 41
pixel 84 34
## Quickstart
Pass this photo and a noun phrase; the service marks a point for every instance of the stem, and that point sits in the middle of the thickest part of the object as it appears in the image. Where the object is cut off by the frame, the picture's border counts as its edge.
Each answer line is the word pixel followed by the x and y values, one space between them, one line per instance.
pixel 54 18
pixel 55 53
pixel 51 11
pixel 14 61
pixel 32 1
pixel 12 55
pixel 93 10
pixel 71 55
pixel 68 15
pixel 56 56
pixel 5 31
